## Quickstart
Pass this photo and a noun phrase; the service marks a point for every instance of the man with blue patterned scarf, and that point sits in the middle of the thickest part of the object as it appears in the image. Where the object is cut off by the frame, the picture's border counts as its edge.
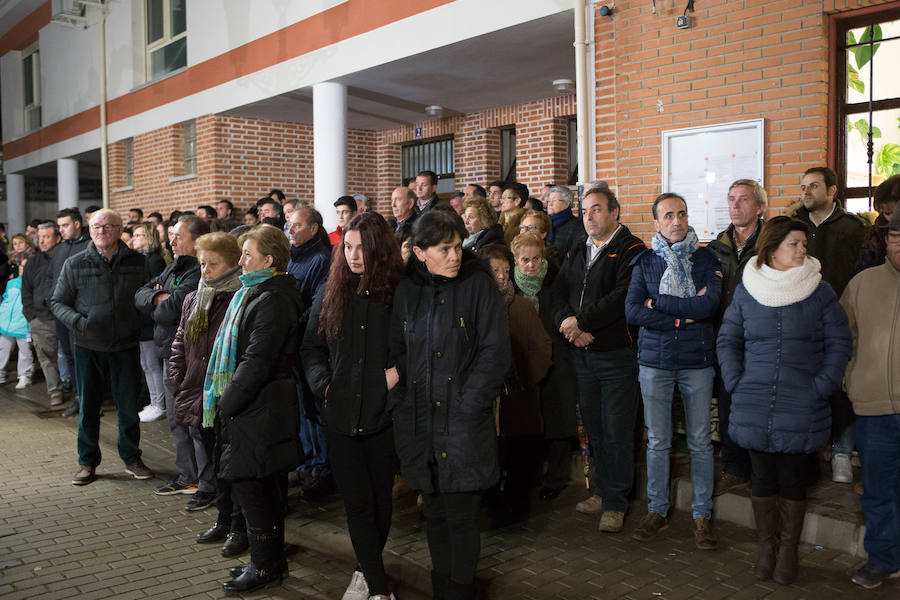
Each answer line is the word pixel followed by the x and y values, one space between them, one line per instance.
pixel 673 297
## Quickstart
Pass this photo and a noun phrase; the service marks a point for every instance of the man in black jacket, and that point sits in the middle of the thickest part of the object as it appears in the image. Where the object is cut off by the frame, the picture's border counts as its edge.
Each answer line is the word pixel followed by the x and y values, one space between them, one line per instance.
pixel 37 286
pixel 589 308
pixel 94 298
pixel 75 238
pixel 310 260
pixel 735 247
pixel 162 298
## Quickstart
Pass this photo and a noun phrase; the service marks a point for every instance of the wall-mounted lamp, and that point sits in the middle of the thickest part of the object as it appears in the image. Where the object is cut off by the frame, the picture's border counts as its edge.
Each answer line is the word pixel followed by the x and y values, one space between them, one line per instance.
pixel 605 11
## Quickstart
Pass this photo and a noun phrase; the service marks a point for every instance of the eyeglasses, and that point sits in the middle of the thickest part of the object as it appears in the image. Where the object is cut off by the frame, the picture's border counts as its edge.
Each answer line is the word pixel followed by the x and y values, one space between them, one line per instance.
pixel 529 228
pixel 893 237
pixel 104 227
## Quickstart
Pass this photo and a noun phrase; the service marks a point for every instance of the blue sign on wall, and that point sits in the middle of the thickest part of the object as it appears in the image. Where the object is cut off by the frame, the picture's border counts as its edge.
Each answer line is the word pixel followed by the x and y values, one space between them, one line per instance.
pixel 418 132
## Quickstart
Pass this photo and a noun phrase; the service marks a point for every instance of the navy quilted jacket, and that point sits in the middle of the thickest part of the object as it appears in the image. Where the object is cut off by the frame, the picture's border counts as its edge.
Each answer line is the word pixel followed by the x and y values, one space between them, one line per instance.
pixel 781 364
pixel 666 340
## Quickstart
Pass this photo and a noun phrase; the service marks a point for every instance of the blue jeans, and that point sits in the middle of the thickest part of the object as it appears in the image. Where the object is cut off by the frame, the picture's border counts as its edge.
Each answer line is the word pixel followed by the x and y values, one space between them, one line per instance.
pixel 313 439
pixel 696 385
pixel 878 443
pixel 608 397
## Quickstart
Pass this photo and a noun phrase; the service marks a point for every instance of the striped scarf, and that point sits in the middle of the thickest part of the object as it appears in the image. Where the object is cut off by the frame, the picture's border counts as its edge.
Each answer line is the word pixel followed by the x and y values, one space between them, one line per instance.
pixel 223 360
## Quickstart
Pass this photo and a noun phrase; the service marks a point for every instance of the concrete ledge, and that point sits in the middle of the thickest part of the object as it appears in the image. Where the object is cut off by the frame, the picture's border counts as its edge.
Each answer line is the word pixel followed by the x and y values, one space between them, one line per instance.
pixel 843 535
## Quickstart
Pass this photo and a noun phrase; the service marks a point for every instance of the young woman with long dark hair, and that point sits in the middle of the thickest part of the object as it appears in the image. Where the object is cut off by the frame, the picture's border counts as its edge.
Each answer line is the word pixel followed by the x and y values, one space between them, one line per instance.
pixel 346 360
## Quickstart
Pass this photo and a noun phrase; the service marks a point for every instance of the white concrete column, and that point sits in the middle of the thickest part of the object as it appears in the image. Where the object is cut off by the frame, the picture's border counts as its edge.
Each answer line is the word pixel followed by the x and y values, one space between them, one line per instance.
pixel 67 182
pixel 329 148
pixel 15 204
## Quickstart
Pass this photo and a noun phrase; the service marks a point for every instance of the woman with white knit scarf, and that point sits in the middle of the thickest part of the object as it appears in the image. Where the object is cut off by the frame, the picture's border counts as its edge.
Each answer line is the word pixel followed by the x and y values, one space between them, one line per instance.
pixel 783 347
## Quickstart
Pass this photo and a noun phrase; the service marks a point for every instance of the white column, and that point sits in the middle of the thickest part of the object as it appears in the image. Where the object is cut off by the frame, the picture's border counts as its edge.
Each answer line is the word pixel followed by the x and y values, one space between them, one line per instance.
pixel 329 148
pixel 67 182
pixel 15 204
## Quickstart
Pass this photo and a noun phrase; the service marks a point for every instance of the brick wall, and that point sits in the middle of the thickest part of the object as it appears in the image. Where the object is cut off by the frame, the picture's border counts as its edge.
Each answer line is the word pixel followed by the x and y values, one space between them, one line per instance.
pixel 237 159
pixel 741 60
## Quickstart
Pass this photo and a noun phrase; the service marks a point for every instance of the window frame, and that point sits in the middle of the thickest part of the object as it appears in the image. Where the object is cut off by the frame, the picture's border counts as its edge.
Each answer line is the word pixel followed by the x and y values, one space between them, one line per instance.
pixel 507 160
pixel 166 39
pixel 838 108
pixel 33 53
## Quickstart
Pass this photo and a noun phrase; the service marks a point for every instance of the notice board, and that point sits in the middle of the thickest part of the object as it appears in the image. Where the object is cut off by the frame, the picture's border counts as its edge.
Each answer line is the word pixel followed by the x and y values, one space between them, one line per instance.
pixel 700 163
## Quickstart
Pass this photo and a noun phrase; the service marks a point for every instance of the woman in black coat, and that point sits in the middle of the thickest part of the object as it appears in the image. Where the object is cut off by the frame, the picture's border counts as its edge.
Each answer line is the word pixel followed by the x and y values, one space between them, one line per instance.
pixel 450 341
pixel 480 222
pixel 250 389
pixel 345 358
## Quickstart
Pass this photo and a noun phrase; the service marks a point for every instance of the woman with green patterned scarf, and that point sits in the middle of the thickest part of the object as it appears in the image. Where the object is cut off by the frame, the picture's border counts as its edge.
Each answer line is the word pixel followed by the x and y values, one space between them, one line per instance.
pixel 250 391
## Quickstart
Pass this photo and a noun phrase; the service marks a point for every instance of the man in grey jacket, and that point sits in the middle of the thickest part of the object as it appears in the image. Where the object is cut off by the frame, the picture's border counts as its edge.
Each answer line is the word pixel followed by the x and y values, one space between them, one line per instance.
pixel 94 299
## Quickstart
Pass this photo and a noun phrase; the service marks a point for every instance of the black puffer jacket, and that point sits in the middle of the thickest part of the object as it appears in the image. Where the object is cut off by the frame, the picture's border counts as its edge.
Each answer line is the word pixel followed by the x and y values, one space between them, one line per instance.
pixel 66 249
pixel 259 413
pixel 732 264
pixel 37 287
pixel 352 366
pixel 178 279
pixel 95 298
pixel 450 340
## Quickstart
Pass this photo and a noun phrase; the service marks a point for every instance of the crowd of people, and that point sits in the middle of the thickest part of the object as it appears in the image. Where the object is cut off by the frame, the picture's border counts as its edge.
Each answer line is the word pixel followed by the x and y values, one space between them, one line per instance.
pixel 457 348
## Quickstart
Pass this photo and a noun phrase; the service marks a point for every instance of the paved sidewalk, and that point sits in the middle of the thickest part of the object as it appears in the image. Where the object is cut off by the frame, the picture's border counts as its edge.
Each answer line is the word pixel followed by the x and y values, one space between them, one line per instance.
pixel 114 538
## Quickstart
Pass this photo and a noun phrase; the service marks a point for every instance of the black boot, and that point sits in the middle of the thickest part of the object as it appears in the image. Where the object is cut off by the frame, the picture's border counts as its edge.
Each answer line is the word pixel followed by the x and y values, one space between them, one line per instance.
pixel 439 584
pixel 264 567
pixel 238 570
pixel 790 514
pixel 235 544
pixel 765 511
pixel 459 591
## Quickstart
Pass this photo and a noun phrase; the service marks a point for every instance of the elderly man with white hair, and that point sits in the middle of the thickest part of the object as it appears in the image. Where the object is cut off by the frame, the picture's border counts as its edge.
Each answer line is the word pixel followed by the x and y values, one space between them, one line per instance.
pixel 94 298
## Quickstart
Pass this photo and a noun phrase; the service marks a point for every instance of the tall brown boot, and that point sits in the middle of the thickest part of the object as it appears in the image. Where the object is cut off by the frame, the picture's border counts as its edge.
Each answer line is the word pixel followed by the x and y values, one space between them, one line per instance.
pixel 765 511
pixel 790 514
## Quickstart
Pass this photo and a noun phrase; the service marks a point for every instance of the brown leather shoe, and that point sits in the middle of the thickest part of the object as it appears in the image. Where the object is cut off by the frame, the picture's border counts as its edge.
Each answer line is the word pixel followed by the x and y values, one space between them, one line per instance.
pixel 139 470
pixel 650 526
pixel 84 476
pixel 703 534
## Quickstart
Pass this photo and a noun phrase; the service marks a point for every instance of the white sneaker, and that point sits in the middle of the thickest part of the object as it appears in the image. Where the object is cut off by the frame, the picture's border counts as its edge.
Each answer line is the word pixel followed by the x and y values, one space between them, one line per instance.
pixel 841 471
pixel 150 414
pixel 358 588
pixel 24 382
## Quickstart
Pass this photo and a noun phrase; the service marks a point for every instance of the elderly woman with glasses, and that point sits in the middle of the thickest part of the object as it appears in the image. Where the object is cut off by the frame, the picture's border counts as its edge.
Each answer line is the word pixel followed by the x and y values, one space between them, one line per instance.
pixel 537 222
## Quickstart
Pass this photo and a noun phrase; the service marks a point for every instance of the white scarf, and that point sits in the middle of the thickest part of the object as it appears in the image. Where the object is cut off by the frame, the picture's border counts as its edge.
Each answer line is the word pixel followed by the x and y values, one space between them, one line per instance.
pixel 771 287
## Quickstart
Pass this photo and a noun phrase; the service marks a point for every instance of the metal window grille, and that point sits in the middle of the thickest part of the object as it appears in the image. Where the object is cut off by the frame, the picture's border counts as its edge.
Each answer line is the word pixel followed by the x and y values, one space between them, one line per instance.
pixel 189 131
pixel 129 162
pixel 869 109
pixel 429 155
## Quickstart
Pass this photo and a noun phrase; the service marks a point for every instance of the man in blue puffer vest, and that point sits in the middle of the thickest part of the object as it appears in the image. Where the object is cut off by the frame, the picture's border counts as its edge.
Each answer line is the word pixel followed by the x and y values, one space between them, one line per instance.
pixel 673 296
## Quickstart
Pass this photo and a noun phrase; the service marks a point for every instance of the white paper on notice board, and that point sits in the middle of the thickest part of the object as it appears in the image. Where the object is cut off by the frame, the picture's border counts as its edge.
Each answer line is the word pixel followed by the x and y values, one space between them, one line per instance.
pixel 700 163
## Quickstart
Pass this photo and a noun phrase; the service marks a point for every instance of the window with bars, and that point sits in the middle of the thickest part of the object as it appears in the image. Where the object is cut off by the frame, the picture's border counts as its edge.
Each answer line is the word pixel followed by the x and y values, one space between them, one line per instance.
pixel 166 36
pixel 867 51
pixel 508 154
pixel 430 155
pixel 189 133
pixel 31 88
pixel 129 162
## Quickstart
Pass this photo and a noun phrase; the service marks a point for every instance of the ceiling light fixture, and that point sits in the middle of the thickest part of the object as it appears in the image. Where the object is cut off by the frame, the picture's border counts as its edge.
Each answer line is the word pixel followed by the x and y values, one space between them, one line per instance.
pixel 434 111
pixel 564 86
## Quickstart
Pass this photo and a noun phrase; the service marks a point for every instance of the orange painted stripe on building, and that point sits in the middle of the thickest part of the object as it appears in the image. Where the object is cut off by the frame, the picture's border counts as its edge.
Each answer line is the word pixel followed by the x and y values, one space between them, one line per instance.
pixel 26 31
pixel 334 25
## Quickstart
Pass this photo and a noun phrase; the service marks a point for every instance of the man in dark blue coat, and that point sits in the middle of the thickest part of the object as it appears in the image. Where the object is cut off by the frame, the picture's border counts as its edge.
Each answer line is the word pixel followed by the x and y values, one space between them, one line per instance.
pixel 310 260
pixel 673 296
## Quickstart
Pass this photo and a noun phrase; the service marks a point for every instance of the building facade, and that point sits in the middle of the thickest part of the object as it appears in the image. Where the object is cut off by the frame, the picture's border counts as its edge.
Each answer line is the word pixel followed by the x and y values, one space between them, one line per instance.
pixel 211 99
